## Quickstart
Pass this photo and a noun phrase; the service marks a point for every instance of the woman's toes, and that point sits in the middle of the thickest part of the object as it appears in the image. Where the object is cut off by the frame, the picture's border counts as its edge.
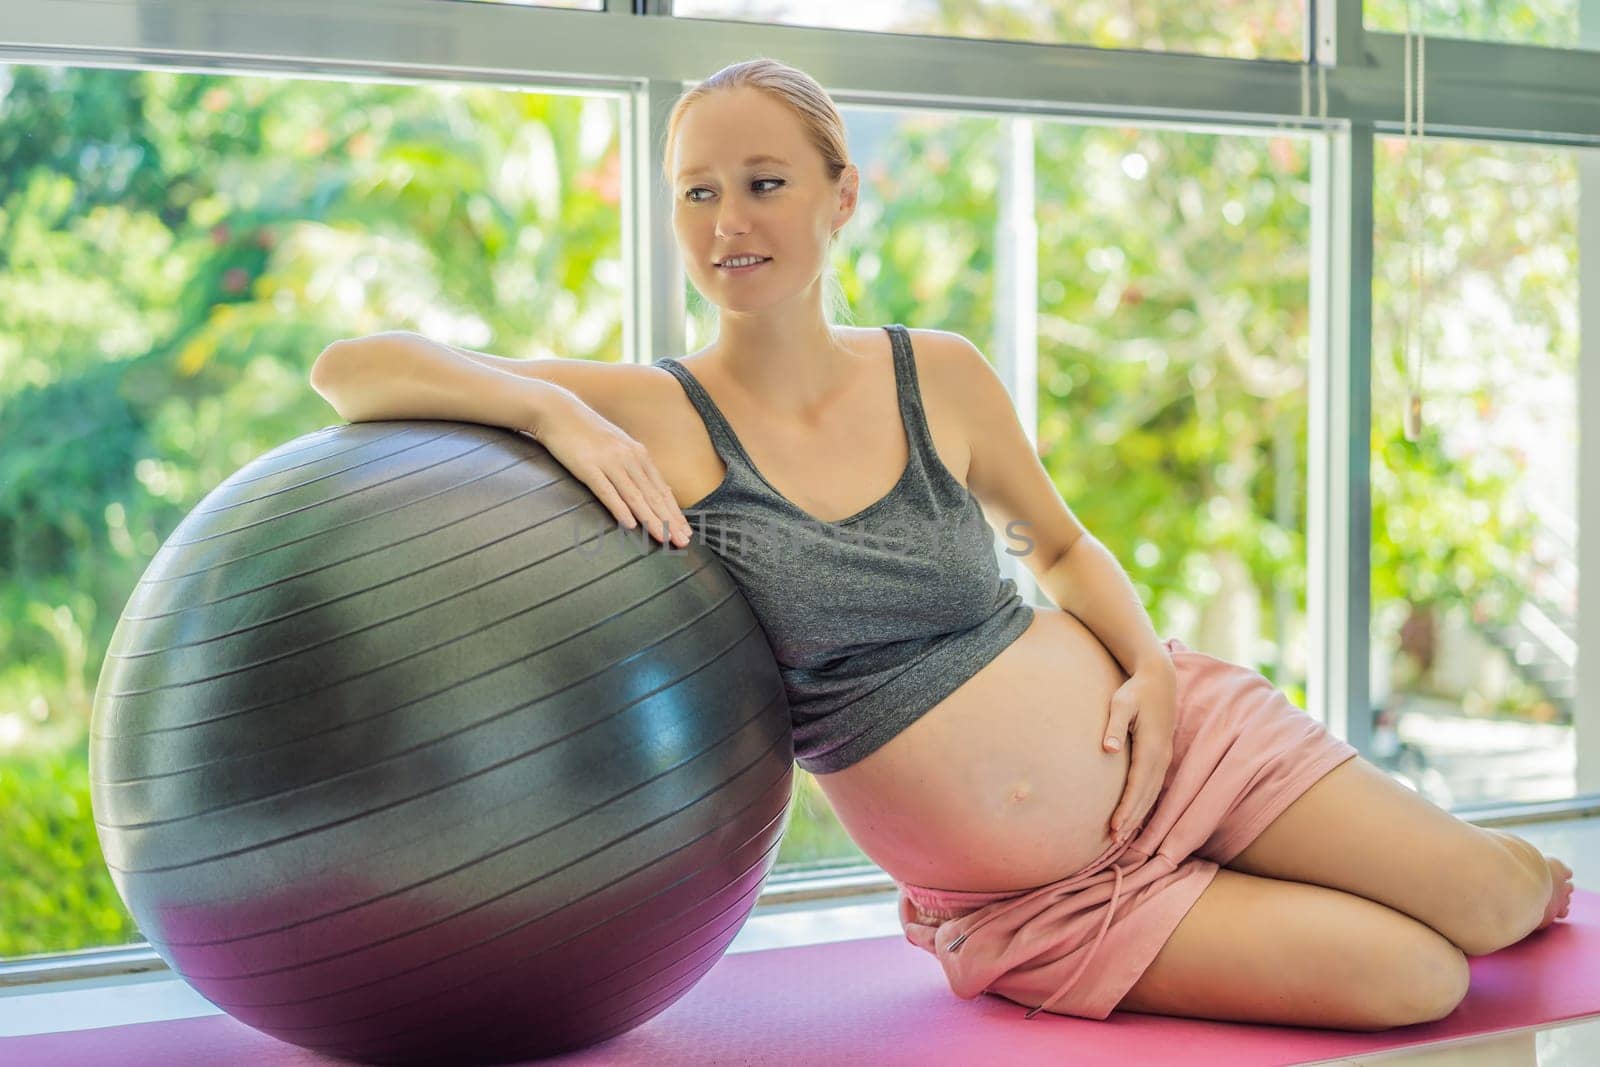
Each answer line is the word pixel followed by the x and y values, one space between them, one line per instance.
pixel 1560 892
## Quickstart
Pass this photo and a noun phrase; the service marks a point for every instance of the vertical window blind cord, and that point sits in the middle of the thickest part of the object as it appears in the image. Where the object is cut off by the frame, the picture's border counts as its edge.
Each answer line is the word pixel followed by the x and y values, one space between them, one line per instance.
pixel 1411 346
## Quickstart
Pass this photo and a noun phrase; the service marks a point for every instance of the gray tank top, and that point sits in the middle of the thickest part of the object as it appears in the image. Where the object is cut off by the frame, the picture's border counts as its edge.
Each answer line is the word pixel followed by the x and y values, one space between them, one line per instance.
pixel 875 618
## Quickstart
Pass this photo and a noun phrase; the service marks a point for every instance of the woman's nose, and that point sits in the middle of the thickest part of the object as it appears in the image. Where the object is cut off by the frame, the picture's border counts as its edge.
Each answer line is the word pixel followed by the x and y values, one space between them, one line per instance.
pixel 732 224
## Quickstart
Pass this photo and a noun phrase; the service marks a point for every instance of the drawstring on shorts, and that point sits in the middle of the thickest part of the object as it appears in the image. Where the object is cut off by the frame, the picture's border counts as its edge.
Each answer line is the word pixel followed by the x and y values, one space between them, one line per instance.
pixel 1099 937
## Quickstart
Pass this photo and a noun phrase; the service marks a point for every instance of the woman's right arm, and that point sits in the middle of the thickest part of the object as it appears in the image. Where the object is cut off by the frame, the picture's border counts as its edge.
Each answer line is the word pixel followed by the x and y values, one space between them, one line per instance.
pixel 403 375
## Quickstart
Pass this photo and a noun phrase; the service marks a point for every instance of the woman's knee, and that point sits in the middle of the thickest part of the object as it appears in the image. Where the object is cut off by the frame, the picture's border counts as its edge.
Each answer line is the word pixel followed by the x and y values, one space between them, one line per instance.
pixel 1427 978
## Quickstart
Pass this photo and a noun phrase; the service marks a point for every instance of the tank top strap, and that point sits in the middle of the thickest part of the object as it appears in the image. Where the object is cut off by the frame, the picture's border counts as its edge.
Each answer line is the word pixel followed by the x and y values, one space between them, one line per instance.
pixel 723 439
pixel 731 450
pixel 919 436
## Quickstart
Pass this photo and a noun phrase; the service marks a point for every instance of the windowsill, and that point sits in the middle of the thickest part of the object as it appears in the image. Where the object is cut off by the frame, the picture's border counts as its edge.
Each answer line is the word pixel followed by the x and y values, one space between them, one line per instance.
pixel 158 996
pixel 847 905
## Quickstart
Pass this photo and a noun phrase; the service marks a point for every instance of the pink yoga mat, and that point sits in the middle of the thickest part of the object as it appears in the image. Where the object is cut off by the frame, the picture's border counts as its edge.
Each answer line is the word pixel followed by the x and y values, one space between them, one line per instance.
pixel 883 1001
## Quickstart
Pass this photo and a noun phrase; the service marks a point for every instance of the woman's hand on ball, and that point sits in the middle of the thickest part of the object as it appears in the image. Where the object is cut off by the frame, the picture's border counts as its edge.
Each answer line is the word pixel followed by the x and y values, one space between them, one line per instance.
pixel 616 468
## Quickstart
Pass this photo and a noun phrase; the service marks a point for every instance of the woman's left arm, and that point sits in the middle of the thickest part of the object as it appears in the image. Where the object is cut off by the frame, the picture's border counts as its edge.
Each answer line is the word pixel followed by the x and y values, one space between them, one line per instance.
pixel 1073 568
pixel 1089 582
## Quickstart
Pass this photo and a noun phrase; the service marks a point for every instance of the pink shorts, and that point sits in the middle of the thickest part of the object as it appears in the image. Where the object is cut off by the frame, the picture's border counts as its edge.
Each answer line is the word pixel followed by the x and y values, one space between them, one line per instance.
pixel 1242 753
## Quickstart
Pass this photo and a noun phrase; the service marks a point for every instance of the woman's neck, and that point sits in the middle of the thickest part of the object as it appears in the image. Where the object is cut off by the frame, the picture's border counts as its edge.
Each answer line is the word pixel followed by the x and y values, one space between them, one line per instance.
pixel 792 372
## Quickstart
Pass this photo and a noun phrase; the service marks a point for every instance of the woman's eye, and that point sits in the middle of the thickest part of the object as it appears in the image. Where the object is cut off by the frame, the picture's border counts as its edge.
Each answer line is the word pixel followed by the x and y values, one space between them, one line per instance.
pixel 701 189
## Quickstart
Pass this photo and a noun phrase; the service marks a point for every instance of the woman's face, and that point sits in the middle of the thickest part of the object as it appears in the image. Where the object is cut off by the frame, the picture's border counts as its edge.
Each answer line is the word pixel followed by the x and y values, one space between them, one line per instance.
pixel 726 202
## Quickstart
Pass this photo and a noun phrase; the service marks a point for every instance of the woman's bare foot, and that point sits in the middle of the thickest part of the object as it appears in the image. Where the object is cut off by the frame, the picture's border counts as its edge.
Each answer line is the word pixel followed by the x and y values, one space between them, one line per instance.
pixel 1560 892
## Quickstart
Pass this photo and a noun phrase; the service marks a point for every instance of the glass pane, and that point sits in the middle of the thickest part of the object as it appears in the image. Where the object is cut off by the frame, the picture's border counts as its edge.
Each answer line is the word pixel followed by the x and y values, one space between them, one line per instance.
pixel 178 250
pixel 1172 344
pixel 1554 23
pixel 1172 354
pixel 1474 565
pixel 576 5
pixel 1249 29
pixel 919 250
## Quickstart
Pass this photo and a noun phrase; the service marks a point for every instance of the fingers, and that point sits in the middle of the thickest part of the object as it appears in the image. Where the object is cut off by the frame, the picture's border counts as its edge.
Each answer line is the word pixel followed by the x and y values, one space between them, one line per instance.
pixel 1125 822
pixel 1116 729
pixel 1145 777
pixel 633 490
pixel 620 471
pixel 665 508
pixel 600 484
pixel 1129 815
pixel 652 501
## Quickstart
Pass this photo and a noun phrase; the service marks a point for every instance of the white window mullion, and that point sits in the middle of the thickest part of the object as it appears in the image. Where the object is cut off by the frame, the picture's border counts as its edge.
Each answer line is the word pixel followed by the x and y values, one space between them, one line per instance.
pixel 1339 504
pixel 1585 715
pixel 1335 33
pixel 1016 296
pixel 653 321
pixel 1585 712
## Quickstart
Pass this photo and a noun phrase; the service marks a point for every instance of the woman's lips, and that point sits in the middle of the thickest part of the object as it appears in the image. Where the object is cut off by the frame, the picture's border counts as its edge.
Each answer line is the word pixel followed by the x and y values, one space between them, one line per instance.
pixel 745 269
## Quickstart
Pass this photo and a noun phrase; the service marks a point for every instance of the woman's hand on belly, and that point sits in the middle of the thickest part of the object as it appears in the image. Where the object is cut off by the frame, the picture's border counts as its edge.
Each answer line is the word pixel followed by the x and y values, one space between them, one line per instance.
pixel 1006 784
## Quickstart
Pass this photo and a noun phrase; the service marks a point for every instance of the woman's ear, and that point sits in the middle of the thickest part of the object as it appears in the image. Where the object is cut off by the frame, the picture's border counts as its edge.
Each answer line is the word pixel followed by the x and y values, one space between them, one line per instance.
pixel 849 188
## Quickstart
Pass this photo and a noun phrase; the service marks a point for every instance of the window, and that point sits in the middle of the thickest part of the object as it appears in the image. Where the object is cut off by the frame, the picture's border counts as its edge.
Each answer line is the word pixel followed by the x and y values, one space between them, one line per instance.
pixel 1173 313
pixel 920 248
pixel 1172 309
pixel 1474 525
pixel 179 249
pixel 1253 29
pixel 1553 23
pixel 1128 236
pixel 575 5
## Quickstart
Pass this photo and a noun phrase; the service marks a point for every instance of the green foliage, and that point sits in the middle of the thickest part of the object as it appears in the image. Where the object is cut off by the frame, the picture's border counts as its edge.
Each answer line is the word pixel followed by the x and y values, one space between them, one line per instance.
pixel 1422 501
pixel 1542 22
pixel 55 892
pixel 814 835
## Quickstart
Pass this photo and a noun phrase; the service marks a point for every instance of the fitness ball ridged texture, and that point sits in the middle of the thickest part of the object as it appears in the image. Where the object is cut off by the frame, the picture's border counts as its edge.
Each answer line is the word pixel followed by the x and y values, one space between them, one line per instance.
pixel 405 751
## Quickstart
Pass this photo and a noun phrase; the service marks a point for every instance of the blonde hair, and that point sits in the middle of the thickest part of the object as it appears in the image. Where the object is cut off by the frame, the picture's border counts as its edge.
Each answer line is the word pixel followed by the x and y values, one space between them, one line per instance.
pixel 797 90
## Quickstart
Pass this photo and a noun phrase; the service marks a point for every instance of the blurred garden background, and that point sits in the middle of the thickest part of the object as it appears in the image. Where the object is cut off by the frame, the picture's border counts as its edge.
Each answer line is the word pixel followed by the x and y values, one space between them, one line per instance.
pixel 177 248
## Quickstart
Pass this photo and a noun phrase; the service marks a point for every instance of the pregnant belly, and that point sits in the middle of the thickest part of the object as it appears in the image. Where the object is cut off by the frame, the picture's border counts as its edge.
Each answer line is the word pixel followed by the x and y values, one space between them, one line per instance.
pixel 1005 783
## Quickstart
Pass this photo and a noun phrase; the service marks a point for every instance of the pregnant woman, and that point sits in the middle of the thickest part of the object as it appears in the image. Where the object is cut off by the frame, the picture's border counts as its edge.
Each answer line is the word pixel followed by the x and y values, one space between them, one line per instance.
pixel 1081 817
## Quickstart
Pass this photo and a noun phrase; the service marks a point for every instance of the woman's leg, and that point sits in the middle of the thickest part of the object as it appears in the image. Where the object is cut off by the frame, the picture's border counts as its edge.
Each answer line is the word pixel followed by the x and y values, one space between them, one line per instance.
pixel 1261 950
pixel 1358 830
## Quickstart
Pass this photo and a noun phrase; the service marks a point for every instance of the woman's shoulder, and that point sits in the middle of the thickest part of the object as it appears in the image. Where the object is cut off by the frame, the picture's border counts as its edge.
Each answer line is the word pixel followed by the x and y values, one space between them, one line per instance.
pixel 926 343
pixel 942 340
pixel 936 343
pixel 942 359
